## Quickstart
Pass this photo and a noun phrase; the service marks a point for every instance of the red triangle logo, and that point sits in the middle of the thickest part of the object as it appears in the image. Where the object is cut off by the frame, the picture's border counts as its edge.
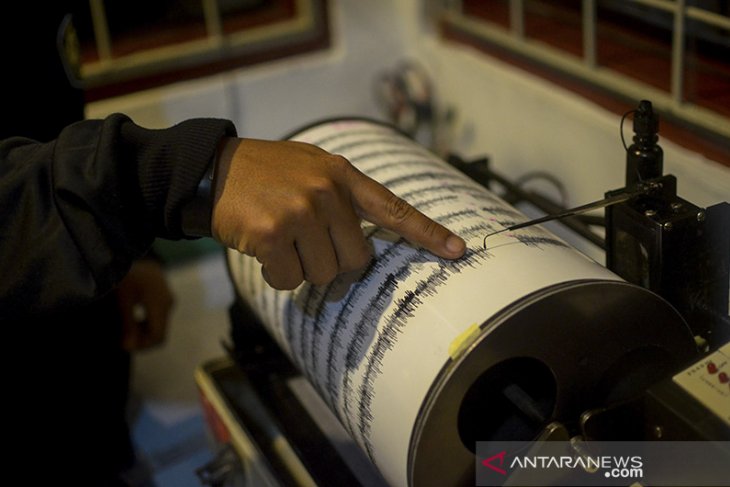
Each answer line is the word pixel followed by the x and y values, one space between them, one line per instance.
pixel 500 456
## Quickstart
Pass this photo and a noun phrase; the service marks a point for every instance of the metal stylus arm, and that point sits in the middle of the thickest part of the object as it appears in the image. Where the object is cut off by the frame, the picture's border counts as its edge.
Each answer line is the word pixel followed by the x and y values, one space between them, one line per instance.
pixel 611 200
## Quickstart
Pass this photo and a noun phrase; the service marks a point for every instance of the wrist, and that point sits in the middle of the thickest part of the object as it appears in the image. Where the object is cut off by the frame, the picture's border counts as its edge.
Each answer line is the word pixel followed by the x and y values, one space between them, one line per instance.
pixel 196 214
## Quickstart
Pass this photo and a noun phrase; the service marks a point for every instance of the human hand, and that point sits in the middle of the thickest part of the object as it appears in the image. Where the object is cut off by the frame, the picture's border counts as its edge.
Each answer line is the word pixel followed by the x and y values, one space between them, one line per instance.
pixel 145 301
pixel 297 209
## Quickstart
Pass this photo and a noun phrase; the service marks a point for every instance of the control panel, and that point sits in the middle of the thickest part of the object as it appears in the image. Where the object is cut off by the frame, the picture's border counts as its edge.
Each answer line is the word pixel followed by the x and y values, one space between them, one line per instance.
pixel 708 381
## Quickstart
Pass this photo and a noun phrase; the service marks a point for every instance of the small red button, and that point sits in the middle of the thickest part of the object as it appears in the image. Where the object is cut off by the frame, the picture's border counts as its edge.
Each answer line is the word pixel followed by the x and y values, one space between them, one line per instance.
pixel 723 377
pixel 711 367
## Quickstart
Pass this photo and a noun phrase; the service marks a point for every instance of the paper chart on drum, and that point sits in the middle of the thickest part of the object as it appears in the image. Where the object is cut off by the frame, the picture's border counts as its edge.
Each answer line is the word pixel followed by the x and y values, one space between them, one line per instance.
pixel 373 343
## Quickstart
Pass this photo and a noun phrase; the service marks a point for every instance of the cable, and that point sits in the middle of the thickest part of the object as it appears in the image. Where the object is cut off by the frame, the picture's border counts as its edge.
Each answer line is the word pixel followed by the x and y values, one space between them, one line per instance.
pixel 621 129
pixel 520 182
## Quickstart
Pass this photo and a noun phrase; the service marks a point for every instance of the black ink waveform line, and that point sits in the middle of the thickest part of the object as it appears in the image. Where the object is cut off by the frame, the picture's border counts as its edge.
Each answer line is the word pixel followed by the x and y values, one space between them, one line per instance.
pixel 297 333
pixel 361 159
pixel 331 389
pixel 539 240
pixel 449 188
pixel 307 299
pixel 305 337
pixel 536 237
pixel 502 210
pixel 418 177
pixel 387 337
pixel 383 141
pixel 421 163
pixel 435 201
pixel 314 319
pixel 350 132
pixel 374 309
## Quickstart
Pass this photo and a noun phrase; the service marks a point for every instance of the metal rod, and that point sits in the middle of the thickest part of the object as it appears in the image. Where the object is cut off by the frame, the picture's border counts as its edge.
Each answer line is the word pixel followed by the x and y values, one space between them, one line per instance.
pixel 677 90
pixel 595 205
pixel 213 24
pixel 709 18
pixel 480 172
pixel 101 29
pixel 517 18
pixel 524 403
pixel 589 33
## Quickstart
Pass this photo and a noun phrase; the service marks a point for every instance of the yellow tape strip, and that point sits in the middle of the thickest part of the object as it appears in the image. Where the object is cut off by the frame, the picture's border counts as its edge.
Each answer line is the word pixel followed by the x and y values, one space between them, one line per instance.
pixel 462 342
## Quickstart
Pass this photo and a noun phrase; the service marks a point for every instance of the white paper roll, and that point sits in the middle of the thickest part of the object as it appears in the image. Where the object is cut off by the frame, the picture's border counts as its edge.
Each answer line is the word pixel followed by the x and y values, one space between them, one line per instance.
pixel 374 344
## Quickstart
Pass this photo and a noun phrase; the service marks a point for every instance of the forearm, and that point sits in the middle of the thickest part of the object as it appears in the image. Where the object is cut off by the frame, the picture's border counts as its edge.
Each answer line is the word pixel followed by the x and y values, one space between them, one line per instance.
pixel 77 211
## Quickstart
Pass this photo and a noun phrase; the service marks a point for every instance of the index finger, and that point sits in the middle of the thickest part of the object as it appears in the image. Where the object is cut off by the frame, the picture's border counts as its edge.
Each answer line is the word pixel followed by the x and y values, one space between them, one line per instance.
pixel 377 204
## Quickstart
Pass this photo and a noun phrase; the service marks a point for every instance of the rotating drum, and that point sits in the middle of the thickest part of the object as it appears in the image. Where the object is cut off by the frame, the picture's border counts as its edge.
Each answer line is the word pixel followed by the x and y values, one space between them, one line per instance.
pixel 421 357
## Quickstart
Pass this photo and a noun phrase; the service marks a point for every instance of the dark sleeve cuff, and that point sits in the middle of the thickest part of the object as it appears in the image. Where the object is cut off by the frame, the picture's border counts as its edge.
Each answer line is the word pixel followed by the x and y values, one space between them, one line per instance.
pixel 172 167
pixel 196 214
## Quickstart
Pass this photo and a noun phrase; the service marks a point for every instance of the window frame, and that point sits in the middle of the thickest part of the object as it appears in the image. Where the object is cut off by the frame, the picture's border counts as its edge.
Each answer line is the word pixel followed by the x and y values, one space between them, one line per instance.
pixel 691 125
pixel 308 30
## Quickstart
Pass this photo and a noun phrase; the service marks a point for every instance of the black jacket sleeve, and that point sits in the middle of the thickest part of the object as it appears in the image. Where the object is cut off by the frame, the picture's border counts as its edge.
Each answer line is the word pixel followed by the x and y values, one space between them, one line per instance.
pixel 75 212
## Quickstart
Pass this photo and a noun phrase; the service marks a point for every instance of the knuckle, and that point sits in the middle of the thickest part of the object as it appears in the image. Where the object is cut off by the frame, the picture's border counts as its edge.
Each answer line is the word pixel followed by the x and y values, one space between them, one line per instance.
pixel 430 228
pixel 398 209
pixel 301 209
pixel 266 233
pixel 356 258
pixel 281 281
pixel 358 261
pixel 321 271
pixel 339 164
pixel 260 239
pixel 323 189
pixel 336 160
pixel 323 276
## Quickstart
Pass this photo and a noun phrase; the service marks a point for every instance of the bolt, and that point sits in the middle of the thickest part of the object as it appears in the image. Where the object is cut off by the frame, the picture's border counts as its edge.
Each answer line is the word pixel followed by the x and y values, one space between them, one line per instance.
pixel 668 227
pixel 649 213
pixel 676 206
pixel 701 216
pixel 702 343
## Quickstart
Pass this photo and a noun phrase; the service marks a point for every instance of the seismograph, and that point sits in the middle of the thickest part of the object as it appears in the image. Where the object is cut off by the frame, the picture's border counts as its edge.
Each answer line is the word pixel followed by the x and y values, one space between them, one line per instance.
pixel 372 344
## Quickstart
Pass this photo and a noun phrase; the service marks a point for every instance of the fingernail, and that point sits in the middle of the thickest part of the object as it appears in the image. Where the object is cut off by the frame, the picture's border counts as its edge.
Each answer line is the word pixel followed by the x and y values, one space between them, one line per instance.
pixel 455 244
